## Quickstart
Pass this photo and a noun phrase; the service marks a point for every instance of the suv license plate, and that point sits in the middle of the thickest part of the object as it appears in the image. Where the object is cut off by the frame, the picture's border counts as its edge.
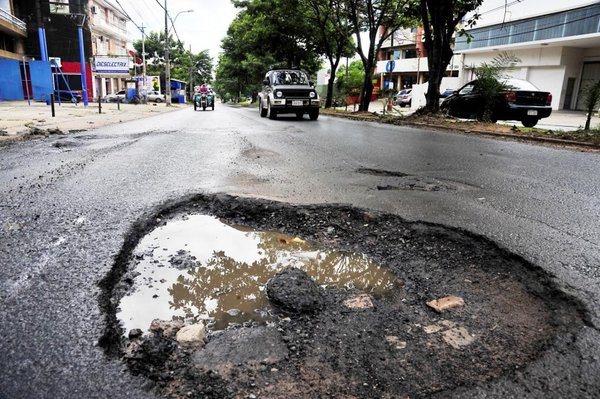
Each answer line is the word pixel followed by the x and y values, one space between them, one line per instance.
pixel 532 112
pixel 297 103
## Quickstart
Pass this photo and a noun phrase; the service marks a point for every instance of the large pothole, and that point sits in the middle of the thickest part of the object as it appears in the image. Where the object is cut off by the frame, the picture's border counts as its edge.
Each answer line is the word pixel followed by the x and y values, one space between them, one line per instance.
pixel 359 343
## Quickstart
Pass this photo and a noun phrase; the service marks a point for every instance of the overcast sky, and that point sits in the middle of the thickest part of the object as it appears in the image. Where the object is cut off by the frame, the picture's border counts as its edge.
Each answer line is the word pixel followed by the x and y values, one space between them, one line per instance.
pixel 203 29
pixel 207 25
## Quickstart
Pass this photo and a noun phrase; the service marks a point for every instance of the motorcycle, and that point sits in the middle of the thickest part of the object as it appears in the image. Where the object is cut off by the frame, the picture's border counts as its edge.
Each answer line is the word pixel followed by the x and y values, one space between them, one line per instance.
pixel 204 100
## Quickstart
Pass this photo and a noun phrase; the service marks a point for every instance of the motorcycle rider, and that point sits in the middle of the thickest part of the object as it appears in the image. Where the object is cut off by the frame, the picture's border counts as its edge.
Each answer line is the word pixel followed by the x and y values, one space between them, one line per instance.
pixel 204 89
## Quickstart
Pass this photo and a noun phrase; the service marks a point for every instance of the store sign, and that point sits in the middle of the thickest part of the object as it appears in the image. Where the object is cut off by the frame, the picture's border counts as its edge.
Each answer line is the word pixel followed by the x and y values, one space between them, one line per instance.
pixel 112 65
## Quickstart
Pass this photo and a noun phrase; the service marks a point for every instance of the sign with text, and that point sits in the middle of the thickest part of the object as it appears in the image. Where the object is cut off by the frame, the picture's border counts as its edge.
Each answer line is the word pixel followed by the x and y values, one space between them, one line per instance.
pixel 112 65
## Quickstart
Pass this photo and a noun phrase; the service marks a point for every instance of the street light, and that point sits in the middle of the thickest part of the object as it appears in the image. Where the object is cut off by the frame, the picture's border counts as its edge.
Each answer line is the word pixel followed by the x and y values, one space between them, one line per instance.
pixel 176 15
pixel 168 64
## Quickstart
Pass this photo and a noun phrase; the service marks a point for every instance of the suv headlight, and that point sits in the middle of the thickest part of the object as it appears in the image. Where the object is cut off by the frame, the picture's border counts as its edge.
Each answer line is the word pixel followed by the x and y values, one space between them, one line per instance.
pixel 278 94
pixel 312 94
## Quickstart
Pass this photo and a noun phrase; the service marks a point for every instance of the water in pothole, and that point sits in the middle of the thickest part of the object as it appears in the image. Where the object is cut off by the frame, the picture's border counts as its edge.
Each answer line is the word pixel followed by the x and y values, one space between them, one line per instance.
pixel 198 268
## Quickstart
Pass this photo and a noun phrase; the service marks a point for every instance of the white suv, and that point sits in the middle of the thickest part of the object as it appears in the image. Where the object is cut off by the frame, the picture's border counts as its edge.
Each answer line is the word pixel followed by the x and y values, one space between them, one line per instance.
pixel 288 91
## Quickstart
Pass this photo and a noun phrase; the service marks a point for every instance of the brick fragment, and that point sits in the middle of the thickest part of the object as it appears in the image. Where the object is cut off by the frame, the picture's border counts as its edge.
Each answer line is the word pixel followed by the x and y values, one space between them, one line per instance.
pixel 362 301
pixel 445 303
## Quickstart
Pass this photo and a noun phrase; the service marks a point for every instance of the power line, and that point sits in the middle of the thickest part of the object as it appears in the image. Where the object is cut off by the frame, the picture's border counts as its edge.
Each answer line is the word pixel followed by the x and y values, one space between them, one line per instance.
pixel 506 5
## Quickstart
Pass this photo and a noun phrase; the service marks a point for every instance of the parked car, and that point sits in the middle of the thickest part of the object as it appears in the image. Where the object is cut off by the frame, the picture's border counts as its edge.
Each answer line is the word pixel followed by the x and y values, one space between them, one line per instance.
pixel 120 96
pixel 447 93
pixel 155 96
pixel 67 95
pixel 288 91
pixel 403 98
pixel 519 100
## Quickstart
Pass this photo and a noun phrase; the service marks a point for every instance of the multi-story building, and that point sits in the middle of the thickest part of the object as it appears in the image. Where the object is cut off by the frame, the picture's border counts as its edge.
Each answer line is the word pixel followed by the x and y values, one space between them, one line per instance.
pixel 60 21
pixel 108 25
pixel 409 55
pixel 13 31
pixel 49 30
pixel 559 51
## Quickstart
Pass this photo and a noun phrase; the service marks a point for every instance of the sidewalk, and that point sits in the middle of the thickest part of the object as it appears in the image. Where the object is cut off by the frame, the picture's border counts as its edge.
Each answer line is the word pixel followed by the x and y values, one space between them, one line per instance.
pixel 17 118
pixel 558 120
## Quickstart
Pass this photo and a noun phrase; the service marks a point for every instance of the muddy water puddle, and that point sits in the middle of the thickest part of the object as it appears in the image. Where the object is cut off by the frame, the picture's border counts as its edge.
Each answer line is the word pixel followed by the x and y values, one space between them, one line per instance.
pixel 198 268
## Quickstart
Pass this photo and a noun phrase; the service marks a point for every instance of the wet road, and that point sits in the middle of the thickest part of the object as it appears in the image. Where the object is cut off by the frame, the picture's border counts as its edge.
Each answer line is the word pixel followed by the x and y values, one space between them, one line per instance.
pixel 68 202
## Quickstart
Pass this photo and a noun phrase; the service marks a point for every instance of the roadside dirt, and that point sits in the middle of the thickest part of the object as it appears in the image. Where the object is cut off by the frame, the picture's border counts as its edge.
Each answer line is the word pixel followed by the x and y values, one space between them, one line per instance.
pixel 578 140
pixel 397 348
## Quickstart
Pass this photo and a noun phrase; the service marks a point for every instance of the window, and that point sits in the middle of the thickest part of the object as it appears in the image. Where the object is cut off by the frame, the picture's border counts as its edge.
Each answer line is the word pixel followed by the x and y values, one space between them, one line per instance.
pixel 59 7
pixel 468 89
pixel 5 5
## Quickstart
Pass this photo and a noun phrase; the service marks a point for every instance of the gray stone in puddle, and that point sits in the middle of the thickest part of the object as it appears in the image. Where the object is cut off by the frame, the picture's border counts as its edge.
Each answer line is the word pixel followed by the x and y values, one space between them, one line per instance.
pixel 294 291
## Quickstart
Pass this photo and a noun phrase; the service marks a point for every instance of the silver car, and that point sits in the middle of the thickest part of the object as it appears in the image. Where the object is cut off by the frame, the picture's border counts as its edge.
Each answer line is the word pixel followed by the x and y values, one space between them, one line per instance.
pixel 155 96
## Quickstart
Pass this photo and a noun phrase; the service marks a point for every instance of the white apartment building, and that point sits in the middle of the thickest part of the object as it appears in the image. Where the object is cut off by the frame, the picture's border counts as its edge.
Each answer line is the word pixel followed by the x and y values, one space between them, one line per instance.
pixel 108 25
pixel 559 49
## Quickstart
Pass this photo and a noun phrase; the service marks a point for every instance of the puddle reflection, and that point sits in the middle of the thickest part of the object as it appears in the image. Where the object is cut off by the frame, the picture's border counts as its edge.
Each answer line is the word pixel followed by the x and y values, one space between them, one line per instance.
pixel 200 268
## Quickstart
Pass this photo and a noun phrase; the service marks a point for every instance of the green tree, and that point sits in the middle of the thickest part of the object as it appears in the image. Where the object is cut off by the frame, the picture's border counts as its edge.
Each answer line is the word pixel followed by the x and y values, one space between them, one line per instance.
pixel 439 19
pixel 489 80
pixel 183 63
pixel 368 17
pixel 591 101
pixel 264 34
pixel 349 82
pixel 334 35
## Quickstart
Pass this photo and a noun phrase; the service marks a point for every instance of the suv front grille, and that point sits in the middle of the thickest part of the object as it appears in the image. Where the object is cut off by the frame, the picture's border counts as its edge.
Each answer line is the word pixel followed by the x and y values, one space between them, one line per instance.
pixel 296 93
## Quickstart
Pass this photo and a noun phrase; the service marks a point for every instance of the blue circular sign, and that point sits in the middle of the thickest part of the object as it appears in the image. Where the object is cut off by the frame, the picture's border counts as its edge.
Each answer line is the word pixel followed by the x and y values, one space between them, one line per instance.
pixel 390 66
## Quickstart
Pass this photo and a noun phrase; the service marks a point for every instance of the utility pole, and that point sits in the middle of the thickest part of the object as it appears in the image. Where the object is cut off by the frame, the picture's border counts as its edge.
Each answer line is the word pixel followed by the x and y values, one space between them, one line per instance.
pixel 191 71
pixel 145 89
pixel 82 60
pixel 167 63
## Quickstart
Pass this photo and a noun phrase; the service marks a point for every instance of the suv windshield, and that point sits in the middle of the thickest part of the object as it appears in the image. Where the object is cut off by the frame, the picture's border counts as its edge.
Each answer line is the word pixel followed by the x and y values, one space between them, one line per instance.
pixel 290 78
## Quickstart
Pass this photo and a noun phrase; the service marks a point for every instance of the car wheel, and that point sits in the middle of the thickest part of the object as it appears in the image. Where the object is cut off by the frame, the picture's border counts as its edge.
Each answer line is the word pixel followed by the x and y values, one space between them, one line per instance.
pixel 158 100
pixel 261 109
pixel 529 122
pixel 271 113
pixel 313 115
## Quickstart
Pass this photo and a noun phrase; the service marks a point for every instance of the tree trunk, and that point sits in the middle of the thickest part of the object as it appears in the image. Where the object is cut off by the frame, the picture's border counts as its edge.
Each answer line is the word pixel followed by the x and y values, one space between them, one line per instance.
pixel 367 90
pixel 333 65
pixel 439 26
pixel 366 98
pixel 588 121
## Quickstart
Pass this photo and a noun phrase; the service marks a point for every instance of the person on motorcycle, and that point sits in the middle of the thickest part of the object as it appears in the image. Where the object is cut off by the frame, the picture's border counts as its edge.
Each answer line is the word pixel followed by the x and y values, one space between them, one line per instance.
pixel 204 89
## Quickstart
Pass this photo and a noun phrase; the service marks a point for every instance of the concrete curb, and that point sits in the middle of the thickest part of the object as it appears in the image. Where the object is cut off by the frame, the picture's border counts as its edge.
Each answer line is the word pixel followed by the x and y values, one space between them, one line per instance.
pixel 21 121
pixel 375 117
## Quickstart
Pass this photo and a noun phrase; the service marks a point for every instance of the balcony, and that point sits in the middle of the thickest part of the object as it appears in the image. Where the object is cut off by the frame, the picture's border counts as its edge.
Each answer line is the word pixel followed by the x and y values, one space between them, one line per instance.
pixel 12 25
pixel 411 65
pixel 100 27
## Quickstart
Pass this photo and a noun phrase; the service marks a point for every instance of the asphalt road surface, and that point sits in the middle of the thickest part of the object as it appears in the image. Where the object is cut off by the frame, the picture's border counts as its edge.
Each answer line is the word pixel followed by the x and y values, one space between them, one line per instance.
pixel 68 202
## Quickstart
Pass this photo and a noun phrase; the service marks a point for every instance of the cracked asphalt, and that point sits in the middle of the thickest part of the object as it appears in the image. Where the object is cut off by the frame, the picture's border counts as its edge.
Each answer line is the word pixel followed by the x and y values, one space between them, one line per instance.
pixel 68 203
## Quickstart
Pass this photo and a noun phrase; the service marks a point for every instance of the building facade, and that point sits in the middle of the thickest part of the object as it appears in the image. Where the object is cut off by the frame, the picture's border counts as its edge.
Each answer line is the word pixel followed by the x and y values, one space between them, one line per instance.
pixel 13 32
pixel 49 31
pixel 409 67
pixel 559 51
pixel 109 38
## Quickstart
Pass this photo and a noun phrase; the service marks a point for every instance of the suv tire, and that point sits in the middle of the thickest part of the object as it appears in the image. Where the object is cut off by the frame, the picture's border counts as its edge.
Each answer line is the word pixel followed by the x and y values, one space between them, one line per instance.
pixel 271 113
pixel 261 110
